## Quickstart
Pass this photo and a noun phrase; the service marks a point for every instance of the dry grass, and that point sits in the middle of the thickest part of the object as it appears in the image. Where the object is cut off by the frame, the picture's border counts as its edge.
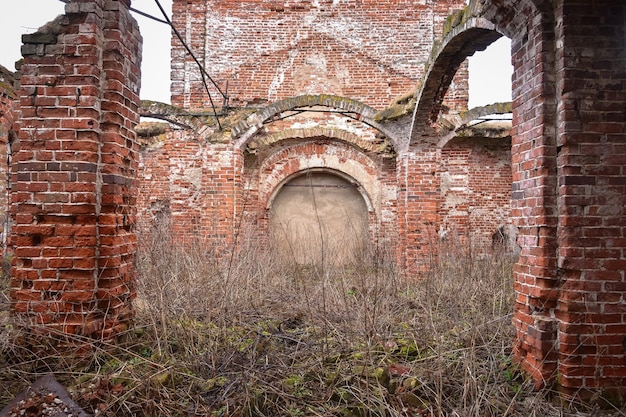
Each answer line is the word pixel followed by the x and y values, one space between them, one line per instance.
pixel 268 337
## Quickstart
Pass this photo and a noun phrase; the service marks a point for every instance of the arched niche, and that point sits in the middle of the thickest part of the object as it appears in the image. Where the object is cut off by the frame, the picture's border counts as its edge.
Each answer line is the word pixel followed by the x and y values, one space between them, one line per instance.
pixel 319 217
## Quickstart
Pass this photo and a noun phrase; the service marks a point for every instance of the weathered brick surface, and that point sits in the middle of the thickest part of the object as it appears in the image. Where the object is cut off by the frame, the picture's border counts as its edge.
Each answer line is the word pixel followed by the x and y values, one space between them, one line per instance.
pixel 568 191
pixel 73 172
pixel 370 51
pixel 7 136
pixel 475 181
pixel 590 165
pixel 75 163
pixel 191 191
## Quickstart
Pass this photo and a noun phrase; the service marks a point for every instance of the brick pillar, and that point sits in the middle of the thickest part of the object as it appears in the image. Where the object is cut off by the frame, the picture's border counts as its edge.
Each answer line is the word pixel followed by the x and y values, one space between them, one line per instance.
pixel 72 202
pixel 569 194
pixel 7 118
pixel 121 61
pixel 533 205
pixel 418 201
pixel 224 198
pixel 591 163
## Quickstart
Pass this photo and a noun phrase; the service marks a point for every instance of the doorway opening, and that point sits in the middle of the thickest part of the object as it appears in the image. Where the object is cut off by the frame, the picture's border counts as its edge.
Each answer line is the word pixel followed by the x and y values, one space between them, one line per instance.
pixel 319 218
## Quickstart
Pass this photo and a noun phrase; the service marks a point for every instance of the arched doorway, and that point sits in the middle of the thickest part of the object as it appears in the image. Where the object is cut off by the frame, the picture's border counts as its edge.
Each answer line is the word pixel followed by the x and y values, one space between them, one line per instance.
pixel 319 217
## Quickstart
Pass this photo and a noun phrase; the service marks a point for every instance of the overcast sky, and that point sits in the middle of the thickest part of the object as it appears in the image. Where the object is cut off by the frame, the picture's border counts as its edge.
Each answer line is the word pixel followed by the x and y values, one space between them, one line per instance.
pixel 490 71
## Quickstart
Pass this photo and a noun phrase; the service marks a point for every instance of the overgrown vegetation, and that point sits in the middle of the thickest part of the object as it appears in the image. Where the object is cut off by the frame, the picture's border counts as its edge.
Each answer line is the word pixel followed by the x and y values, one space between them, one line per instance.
pixel 268 337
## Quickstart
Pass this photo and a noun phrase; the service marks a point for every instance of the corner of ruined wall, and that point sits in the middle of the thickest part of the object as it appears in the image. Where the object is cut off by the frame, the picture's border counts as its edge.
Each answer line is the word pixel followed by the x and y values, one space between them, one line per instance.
pixel 73 174
pixel 8 106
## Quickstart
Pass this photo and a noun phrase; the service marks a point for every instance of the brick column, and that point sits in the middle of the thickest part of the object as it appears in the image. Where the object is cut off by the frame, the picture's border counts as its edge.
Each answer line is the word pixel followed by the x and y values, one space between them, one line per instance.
pixel 569 195
pixel 121 59
pixel 418 201
pixel 591 163
pixel 72 201
pixel 227 197
pixel 533 204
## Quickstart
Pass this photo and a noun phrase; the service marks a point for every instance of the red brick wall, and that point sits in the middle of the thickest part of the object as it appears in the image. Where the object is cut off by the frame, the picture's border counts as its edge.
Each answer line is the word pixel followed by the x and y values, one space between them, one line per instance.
pixel 591 169
pixel 475 191
pixel 73 196
pixel 568 159
pixel 199 189
pixel 7 135
pixel 192 190
pixel 370 51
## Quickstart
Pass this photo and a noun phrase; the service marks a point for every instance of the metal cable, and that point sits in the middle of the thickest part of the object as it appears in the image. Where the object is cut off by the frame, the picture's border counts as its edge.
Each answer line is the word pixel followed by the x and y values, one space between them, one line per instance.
pixel 203 73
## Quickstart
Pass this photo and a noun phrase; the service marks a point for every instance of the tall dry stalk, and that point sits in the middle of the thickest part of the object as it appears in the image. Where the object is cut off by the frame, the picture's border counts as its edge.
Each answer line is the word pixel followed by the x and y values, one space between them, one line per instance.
pixel 272 337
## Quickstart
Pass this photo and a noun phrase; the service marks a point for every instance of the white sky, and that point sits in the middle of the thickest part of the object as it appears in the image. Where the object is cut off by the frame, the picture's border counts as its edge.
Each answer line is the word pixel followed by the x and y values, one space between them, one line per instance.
pixel 26 16
pixel 490 71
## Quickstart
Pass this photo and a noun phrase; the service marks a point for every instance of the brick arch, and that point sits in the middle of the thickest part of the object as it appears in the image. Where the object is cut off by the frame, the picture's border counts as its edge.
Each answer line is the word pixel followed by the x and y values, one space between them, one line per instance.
pixel 531 27
pixel 452 122
pixel 510 17
pixel 243 131
pixel 463 40
pixel 341 135
pixel 323 170
pixel 468 31
pixel 318 155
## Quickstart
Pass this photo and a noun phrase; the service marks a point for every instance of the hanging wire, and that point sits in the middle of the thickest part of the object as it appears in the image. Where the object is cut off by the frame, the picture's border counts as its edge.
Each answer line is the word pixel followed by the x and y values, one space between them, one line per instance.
pixel 144 14
pixel 203 73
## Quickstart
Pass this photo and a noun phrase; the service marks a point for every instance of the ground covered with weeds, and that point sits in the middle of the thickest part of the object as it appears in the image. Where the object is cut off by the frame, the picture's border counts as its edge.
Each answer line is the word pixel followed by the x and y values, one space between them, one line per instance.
pixel 270 338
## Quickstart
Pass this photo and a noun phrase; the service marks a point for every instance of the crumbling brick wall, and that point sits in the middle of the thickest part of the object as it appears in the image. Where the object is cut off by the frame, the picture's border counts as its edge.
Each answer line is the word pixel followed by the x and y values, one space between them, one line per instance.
pixel 370 51
pixel 73 172
pixel 8 106
pixel 189 191
pixel 475 181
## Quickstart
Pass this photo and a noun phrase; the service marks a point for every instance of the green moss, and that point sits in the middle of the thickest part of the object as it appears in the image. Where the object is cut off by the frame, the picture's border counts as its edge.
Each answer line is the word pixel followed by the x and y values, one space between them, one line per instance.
pixel 455 19
pixel 402 106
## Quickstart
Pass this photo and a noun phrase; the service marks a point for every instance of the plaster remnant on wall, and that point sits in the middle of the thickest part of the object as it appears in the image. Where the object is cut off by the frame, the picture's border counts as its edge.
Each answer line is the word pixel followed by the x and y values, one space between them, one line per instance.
pixel 194 176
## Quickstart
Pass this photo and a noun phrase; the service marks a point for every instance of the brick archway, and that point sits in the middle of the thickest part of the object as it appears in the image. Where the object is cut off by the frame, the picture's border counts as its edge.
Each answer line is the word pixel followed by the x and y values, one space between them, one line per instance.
pixel 243 131
pixel 568 195
pixel 463 40
pixel 320 216
pixel 285 159
pixel 318 155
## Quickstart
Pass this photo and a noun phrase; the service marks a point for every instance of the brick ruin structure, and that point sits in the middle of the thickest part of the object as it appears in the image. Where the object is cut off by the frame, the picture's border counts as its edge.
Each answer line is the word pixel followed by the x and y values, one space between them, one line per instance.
pixel 73 171
pixel 319 91
pixel 365 98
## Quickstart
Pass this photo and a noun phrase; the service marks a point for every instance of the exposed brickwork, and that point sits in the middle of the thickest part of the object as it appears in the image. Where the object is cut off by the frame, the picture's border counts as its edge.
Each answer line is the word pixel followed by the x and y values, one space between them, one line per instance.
pixel 193 189
pixel 568 161
pixel 7 136
pixel 475 191
pixel 370 51
pixel 73 196
pixel 534 199
pixel 322 154
pixel 418 204
pixel 591 175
